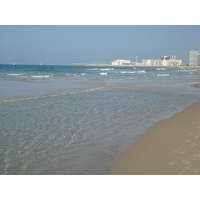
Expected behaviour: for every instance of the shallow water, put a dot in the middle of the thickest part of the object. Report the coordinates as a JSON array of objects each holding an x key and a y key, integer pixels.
[{"x": 77, "y": 120}]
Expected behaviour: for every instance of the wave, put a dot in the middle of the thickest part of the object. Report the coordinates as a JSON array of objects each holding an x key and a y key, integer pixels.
[
  {"x": 28, "y": 76},
  {"x": 103, "y": 73},
  {"x": 70, "y": 75},
  {"x": 162, "y": 74},
  {"x": 133, "y": 72},
  {"x": 102, "y": 69},
  {"x": 127, "y": 72},
  {"x": 140, "y": 72},
  {"x": 106, "y": 69},
  {"x": 41, "y": 76},
  {"x": 56, "y": 75},
  {"x": 160, "y": 69},
  {"x": 14, "y": 74}
]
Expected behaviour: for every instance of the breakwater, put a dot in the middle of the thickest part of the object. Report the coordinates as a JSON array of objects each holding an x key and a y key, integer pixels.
[{"x": 138, "y": 65}]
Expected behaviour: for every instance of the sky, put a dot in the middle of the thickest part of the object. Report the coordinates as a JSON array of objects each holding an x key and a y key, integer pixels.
[{"x": 66, "y": 44}]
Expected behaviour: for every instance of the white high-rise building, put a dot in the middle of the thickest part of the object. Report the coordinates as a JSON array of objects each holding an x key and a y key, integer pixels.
[{"x": 194, "y": 59}]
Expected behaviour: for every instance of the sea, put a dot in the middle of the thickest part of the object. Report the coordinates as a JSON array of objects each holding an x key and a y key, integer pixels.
[{"x": 75, "y": 120}]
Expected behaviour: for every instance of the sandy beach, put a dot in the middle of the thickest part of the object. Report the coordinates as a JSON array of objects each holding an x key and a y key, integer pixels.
[{"x": 171, "y": 147}]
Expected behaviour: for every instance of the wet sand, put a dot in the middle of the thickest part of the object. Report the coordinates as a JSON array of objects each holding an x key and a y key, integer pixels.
[{"x": 171, "y": 147}]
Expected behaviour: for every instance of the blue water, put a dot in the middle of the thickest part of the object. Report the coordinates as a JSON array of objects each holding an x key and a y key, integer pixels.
[{"x": 77, "y": 120}]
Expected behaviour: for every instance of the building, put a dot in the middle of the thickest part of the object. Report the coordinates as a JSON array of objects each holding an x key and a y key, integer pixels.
[
  {"x": 121, "y": 62},
  {"x": 194, "y": 59},
  {"x": 168, "y": 58},
  {"x": 165, "y": 61}
]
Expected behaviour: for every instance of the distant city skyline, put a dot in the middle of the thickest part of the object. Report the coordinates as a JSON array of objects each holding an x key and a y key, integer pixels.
[{"x": 68, "y": 44}]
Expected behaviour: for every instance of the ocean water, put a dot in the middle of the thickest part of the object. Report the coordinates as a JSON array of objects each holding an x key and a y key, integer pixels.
[{"x": 78, "y": 120}]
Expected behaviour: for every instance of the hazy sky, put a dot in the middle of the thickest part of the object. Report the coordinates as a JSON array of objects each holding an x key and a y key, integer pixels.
[{"x": 88, "y": 44}]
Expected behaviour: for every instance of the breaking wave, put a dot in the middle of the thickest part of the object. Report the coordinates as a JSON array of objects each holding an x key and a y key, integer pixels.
[
  {"x": 133, "y": 72},
  {"x": 160, "y": 69},
  {"x": 103, "y": 73},
  {"x": 106, "y": 69},
  {"x": 14, "y": 74},
  {"x": 162, "y": 74},
  {"x": 41, "y": 76}
]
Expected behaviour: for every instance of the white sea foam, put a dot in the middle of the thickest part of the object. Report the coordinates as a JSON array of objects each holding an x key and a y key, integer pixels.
[
  {"x": 160, "y": 69},
  {"x": 133, "y": 72},
  {"x": 83, "y": 74},
  {"x": 162, "y": 74},
  {"x": 141, "y": 72},
  {"x": 14, "y": 74},
  {"x": 41, "y": 76},
  {"x": 105, "y": 69},
  {"x": 124, "y": 72},
  {"x": 103, "y": 73},
  {"x": 102, "y": 69}
]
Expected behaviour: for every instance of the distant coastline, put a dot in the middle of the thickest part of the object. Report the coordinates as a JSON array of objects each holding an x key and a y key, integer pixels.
[{"x": 138, "y": 65}]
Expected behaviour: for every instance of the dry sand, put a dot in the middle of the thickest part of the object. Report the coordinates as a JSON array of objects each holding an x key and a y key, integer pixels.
[{"x": 171, "y": 147}]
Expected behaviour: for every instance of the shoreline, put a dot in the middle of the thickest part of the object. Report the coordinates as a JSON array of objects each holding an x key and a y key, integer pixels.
[{"x": 171, "y": 147}]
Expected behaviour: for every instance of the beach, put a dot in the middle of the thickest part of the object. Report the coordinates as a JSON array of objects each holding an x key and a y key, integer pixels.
[{"x": 171, "y": 147}]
